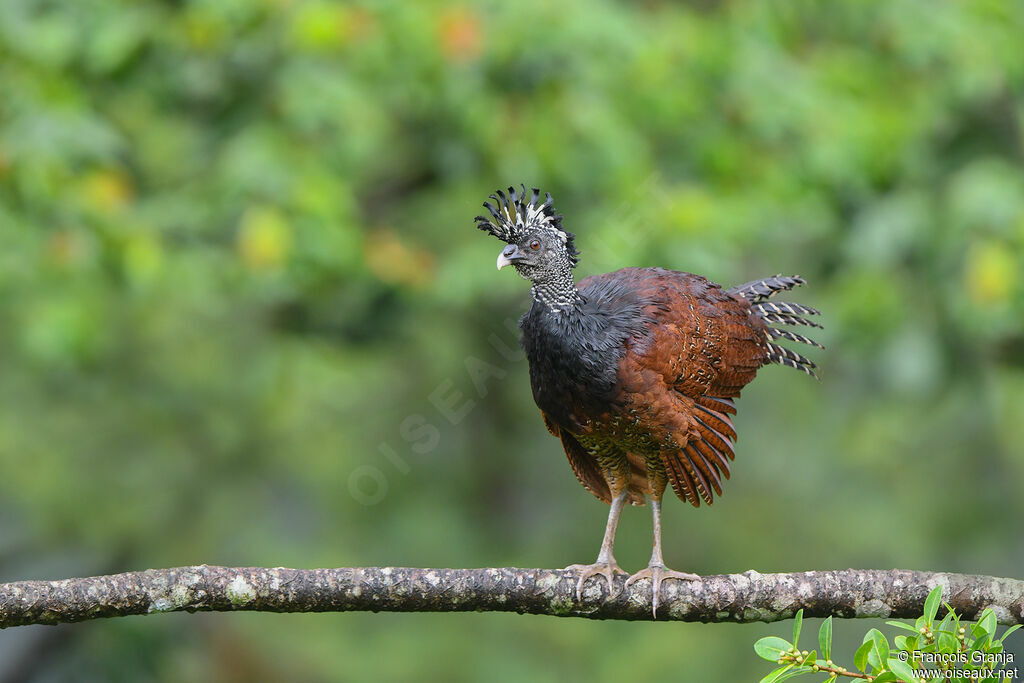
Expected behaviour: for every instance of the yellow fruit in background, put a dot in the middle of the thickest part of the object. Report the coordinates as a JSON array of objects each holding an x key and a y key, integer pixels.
[
  {"x": 264, "y": 238},
  {"x": 391, "y": 259},
  {"x": 992, "y": 272},
  {"x": 106, "y": 190}
]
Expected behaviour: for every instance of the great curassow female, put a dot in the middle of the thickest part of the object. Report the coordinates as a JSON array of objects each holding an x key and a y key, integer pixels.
[{"x": 636, "y": 370}]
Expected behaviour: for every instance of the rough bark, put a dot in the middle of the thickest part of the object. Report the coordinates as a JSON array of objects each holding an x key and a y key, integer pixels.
[{"x": 743, "y": 597}]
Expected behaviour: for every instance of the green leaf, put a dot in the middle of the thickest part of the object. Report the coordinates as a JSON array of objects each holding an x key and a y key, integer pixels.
[
  {"x": 879, "y": 651},
  {"x": 774, "y": 675},
  {"x": 988, "y": 622},
  {"x": 946, "y": 642},
  {"x": 771, "y": 648},
  {"x": 784, "y": 673},
  {"x": 1008, "y": 632},
  {"x": 887, "y": 677},
  {"x": 905, "y": 627},
  {"x": 900, "y": 642},
  {"x": 953, "y": 620},
  {"x": 901, "y": 669},
  {"x": 931, "y": 604},
  {"x": 860, "y": 658},
  {"x": 798, "y": 622},
  {"x": 825, "y": 638},
  {"x": 945, "y": 638},
  {"x": 980, "y": 640}
]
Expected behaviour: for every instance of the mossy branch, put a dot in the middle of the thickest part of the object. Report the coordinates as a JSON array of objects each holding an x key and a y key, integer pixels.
[{"x": 734, "y": 598}]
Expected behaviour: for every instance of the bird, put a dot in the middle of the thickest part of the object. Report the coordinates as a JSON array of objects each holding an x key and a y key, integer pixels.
[{"x": 637, "y": 371}]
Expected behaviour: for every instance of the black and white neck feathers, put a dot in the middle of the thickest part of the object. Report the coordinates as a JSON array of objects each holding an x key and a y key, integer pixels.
[{"x": 557, "y": 292}]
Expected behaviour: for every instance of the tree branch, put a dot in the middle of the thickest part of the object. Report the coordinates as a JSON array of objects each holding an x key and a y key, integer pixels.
[{"x": 743, "y": 597}]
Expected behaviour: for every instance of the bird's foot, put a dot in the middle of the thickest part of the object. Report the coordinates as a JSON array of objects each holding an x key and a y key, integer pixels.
[
  {"x": 658, "y": 573},
  {"x": 607, "y": 569}
]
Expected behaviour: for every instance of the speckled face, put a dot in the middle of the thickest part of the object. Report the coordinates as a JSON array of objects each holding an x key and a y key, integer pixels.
[
  {"x": 533, "y": 231},
  {"x": 539, "y": 253}
]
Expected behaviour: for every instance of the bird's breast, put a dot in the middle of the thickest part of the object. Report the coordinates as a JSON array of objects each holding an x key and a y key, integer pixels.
[{"x": 574, "y": 372}]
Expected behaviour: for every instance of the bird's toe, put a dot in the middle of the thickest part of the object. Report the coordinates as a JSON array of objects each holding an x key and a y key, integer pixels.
[
  {"x": 657, "y": 574},
  {"x": 605, "y": 569}
]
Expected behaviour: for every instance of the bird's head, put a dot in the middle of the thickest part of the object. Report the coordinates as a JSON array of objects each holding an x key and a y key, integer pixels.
[{"x": 537, "y": 246}]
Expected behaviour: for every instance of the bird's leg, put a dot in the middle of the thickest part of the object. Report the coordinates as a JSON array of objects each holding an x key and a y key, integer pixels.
[
  {"x": 656, "y": 570},
  {"x": 605, "y": 565}
]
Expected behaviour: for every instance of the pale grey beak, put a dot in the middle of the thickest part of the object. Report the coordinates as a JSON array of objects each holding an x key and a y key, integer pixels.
[{"x": 508, "y": 255}]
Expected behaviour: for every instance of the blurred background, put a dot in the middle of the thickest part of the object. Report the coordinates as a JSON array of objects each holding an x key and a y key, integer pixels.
[{"x": 241, "y": 294}]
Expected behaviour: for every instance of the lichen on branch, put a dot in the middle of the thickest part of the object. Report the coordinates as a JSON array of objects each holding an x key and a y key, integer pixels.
[{"x": 746, "y": 597}]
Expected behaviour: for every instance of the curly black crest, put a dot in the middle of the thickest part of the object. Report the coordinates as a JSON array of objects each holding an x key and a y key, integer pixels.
[{"x": 515, "y": 215}]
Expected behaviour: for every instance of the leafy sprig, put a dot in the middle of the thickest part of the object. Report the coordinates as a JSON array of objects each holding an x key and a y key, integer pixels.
[{"x": 926, "y": 652}]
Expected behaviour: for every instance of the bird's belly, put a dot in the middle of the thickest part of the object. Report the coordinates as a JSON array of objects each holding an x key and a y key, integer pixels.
[
  {"x": 577, "y": 406},
  {"x": 622, "y": 428}
]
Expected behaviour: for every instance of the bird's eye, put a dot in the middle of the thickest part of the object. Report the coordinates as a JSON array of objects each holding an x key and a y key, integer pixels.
[{"x": 535, "y": 244}]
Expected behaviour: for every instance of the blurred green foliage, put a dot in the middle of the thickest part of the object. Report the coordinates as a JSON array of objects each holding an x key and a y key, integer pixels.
[{"x": 237, "y": 260}]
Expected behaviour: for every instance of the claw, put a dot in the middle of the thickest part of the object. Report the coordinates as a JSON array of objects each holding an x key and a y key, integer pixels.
[
  {"x": 606, "y": 569},
  {"x": 658, "y": 573}
]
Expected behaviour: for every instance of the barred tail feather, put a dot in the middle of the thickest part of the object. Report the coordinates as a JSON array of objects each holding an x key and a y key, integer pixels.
[
  {"x": 791, "y": 359},
  {"x": 784, "y": 307},
  {"x": 780, "y": 313},
  {"x": 775, "y": 333},
  {"x": 759, "y": 290},
  {"x": 784, "y": 318},
  {"x": 782, "y": 360},
  {"x": 792, "y": 355}
]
